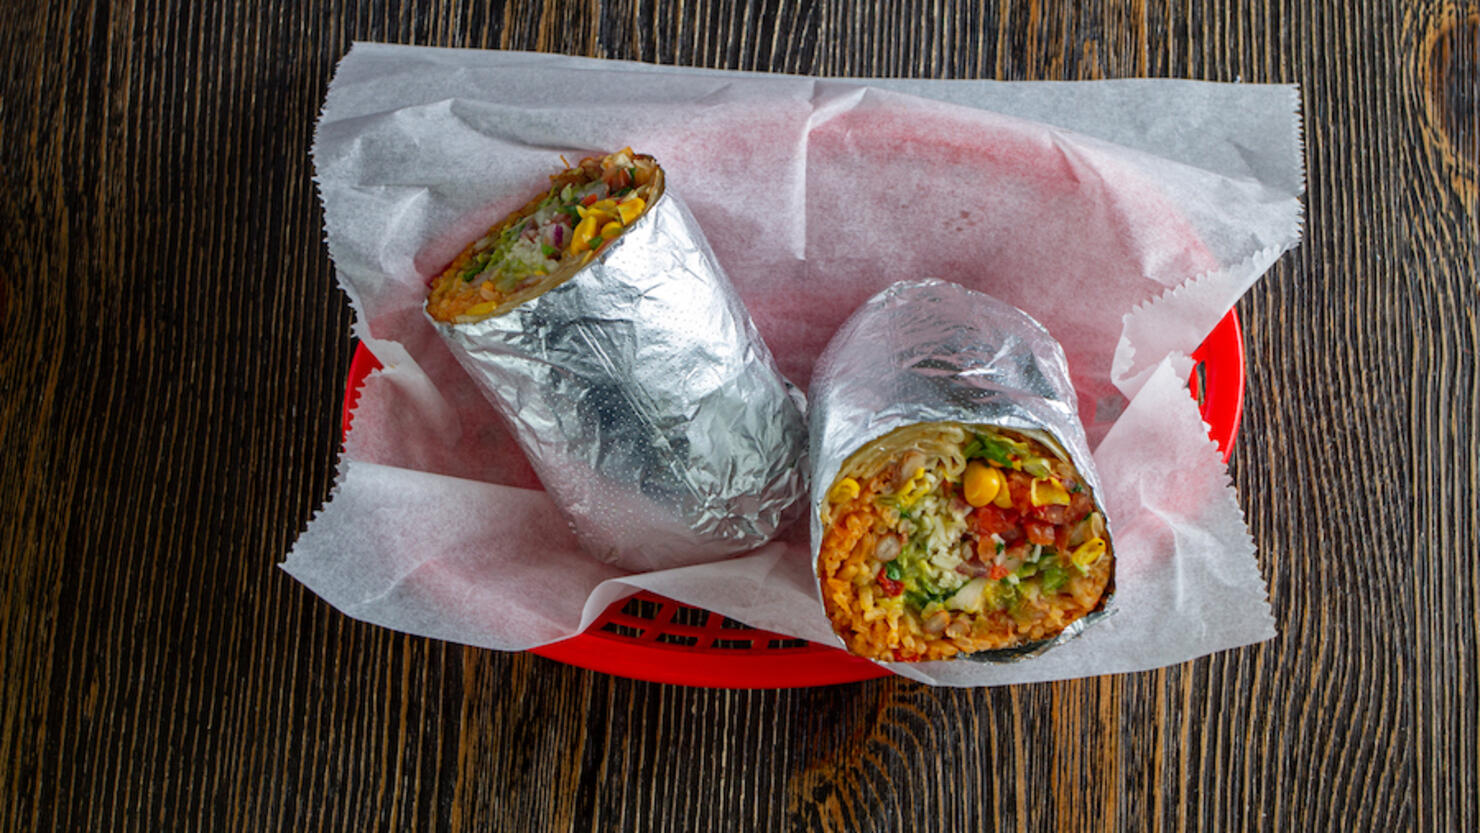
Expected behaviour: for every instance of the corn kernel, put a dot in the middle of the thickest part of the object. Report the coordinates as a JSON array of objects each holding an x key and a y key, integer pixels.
[
  {"x": 1044, "y": 491},
  {"x": 630, "y": 209},
  {"x": 1003, "y": 500},
  {"x": 981, "y": 483},
  {"x": 915, "y": 489},
  {"x": 594, "y": 211},
  {"x": 580, "y": 239},
  {"x": 845, "y": 489},
  {"x": 1088, "y": 553},
  {"x": 481, "y": 309}
]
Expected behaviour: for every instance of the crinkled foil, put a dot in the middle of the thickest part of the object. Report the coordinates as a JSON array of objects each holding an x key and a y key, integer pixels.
[
  {"x": 932, "y": 351},
  {"x": 646, "y": 400}
]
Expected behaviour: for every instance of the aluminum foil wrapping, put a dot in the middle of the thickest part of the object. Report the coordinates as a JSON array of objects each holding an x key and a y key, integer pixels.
[
  {"x": 646, "y": 401},
  {"x": 932, "y": 351}
]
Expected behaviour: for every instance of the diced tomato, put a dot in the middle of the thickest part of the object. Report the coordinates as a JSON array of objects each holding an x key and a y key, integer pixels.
[
  {"x": 1080, "y": 504},
  {"x": 1039, "y": 533},
  {"x": 590, "y": 200},
  {"x": 616, "y": 178},
  {"x": 992, "y": 520},
  {"x": 998, "y": 571},
  {"x": 1018, "y": 485},
  {"x": 1061, "y": 537},
  {"x": 891, "y": 587}
]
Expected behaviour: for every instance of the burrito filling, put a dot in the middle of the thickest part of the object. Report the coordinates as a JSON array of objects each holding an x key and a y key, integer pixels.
[
  {"x": 946, "y": 539},
  {"x": 548, "y": 240}
]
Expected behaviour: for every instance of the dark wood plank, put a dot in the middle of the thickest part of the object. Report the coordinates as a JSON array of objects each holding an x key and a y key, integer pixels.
[{"x": 173, "y": 348}]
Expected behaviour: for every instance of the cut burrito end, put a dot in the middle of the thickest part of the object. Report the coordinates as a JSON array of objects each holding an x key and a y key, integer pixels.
[
  {"x": 549, "y": 240},
  {"x": 943, "y": 540}
]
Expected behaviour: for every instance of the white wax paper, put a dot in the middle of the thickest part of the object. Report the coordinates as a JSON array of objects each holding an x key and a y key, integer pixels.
[{"x": 1126, "y": 216}]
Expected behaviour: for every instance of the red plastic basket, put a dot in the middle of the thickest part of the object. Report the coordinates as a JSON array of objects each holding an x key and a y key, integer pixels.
[{"x": 648, "y": 637}]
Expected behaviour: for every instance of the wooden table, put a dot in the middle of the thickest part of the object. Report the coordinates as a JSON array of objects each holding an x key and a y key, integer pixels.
[{"x": 170, "y": 384}]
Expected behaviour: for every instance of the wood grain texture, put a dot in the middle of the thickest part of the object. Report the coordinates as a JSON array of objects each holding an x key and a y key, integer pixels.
[{"x": 172, "y": 353}]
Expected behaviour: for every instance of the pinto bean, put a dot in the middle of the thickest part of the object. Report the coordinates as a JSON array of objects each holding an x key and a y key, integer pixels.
[
  {"x": 888, "y": 548},
  {"x": 907, "y": 466},
  {"x": 937, "y": 623},
  {"x": 972, "y": 568}
]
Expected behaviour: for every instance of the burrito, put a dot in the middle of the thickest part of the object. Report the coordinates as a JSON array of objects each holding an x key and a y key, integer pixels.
[
  {"x": 599, "y": 323},
  {"x": 954, "y": 494},
  {"x": 943, "y": 539}
]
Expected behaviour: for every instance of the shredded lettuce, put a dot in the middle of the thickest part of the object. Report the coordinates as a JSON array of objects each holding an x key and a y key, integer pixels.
[{"x": 1054, "y": 576}]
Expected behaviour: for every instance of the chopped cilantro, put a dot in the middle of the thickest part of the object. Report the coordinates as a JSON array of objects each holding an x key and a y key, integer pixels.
[{"x": 920, "y": 599}]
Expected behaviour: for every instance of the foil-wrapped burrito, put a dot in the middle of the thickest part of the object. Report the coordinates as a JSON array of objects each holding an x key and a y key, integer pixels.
[
  {"x": 599, "y": 323},
  {"x": 953, "y": 493}
]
